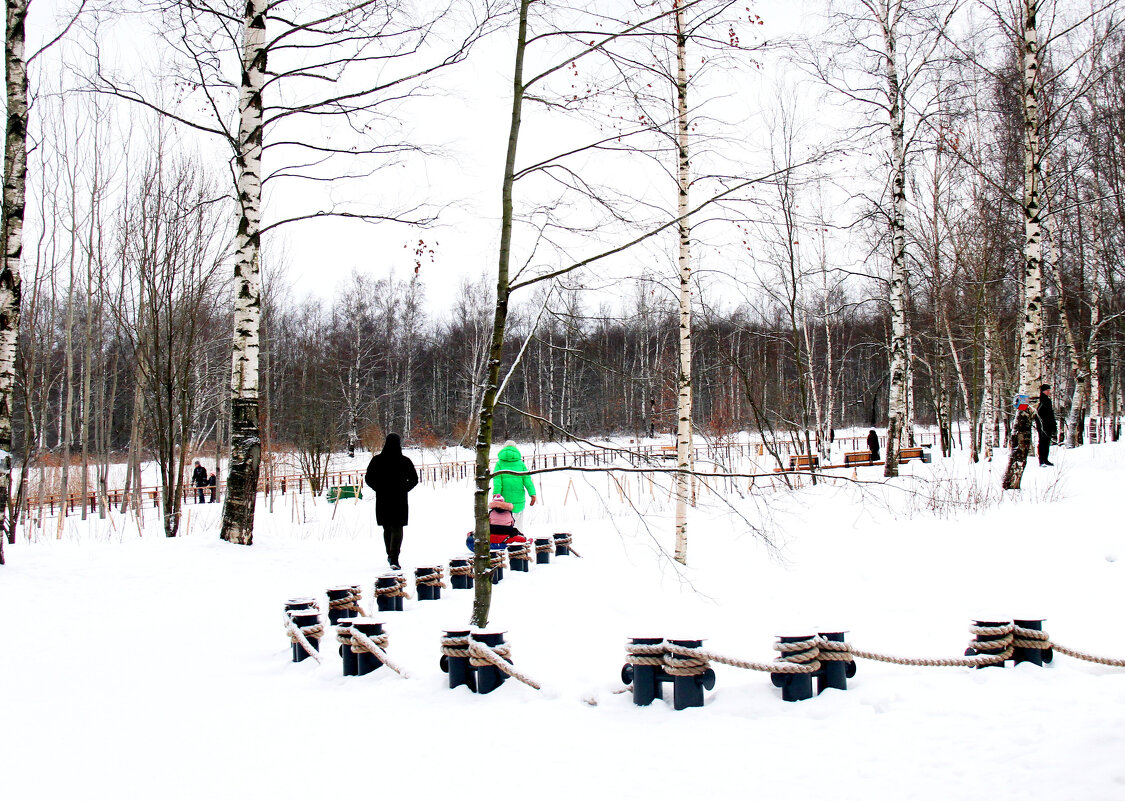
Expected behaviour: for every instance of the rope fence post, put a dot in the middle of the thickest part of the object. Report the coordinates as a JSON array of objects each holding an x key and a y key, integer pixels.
[
  {"x": 461, "y": 573},
  {"x": 389, "y": 592},
  {"x": 455, "y": 659},
  {"x": 428, "y": 581},
  {"x": 645, "y": 668},
  {"x": 519, "y": 555},
  {"x": 836, "y": 662},
  {"x": 691, "y": 673},
  {"x": 543, "y": 548},
  {"x": 343, "y": 601},
  {"x": 497, "y": 560},
  {"x": 488, "y": 675},
  {"x": 304, "y": 629},
  {"x": 349, "y": 657},
  {"x": 992, "y": 639},
  {"x": 1031, "y": 643},
  {"x": 369, "y": 642},
  {"x": 802, "y": 651}
]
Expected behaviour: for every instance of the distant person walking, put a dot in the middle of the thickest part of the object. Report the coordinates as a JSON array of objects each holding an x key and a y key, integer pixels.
[
  {"x": 199, "y": 480},
  {"x": 873, "y": 444},
  {"x": 1046, "y": 425},
  {"x": 391, "y": 475},
  {"x": 514, "y": 489},
  {"x": 212, "y": 482}
]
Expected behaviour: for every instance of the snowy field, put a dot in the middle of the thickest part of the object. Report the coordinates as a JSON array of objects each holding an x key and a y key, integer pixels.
[{"x": 140, "y": 667}]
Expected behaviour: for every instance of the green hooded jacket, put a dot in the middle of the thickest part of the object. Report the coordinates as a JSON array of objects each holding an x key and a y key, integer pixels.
[{"x": 512, "y": 487}]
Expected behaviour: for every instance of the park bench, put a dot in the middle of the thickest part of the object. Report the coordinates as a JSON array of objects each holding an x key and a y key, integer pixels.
[
  {"x": 906, "y": 454},
  {"x": 803, "y": 461},
  {"x": 854, "y": 458},
  {"x": 344, "y": 491},
  {"x": 668, "y": 451}
]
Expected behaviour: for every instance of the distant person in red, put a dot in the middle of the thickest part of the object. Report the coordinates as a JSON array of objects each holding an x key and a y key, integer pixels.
[{"x": 391, "y": 475}]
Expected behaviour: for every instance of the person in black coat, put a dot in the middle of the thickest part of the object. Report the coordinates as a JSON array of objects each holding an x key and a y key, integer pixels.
[
  {"x": 391, "y": 475},
  {"x": 199, "y": 480},
  {"x": 1046, "y": 425},
  {"x": 873, "y": 444}
]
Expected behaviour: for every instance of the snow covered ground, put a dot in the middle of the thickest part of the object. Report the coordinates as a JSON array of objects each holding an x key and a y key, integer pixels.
[{"x": 140, "y": 667}]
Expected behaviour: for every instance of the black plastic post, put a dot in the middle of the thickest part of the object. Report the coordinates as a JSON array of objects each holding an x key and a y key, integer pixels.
[
  {"x": 302, "y": 618},
  {"x": 388, "y": 601},
  {"x": 1036, "y": 656},
  {"x": 497, "y": 557},
  {"x": 336, "y": 595},
  {"x": 543, "y": 548},
  {"x": 489, "y": 677},
  {"x": 981, "y": 642},
  {"x": 794, "y": 686},
  {"x": 296, "y": 605},
  {"x": 833, "y": 674},
  {"x": 458, "y": 667},
  {"x": 422, "y": 577},
  {"x": 461, "y": 574},
  {"x": 347, "y": 655},
  {"x": 687, "y": 691},
  {"x": 367, "y": 662},
  {"x": 517, "y": 557},
  {"x": 562, "y": 543},
  {"x": 646, "y": 679}
]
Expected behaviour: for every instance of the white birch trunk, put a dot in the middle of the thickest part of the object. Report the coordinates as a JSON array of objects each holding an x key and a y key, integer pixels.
[
  {"x": 11, "y": 234},
  {"x": 246, "y": 446},
  {"x": 899, "y": 380},
  {"x": 683, "y": 382},
  {"x": 1029, "y": 369},
  {"x": 988, "y": 402}
]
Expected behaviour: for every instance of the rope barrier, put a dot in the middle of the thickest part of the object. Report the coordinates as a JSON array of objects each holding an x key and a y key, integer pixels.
[
  {"x": 567, "y": 542},
  {"x": 544, "y": 547},
  {"x": 1005, "y": 643},
  {"x": 522, "y": 551},
  {"x": 300, "y": 634},
  {"x": 394, "y": 590},
  {"x": 461, "y": 570},
  {"x": 481, "y": 655},
  {"x": 1030, "y": 638}
]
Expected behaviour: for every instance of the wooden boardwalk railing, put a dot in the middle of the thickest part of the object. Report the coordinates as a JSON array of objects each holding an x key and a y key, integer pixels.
[{"x": 441, "y": 473}]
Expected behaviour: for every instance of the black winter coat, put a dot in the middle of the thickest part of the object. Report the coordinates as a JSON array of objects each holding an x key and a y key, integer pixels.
[
  {"x": 199, "y": 476},
  {"x": 1045, "y": 417},
  {"x": 873, "y": 445},
  {"x": 391, "y": 476}
]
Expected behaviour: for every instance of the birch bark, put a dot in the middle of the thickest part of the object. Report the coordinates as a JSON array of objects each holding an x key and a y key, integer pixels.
[
  {"x": 11, "y": 240},
  {"x": 245, "y": 436},
  {"x": 1029, "y": 369},
  {"x": 683, "y": 378}
]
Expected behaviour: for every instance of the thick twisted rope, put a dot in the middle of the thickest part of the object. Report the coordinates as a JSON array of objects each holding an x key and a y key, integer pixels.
[
  {"x": 349, "y": 601},
  {"x": 544, "y": 547},
  {"x": 461, "y": 570},
  {"x": 645, "y": 655},
  {"x": 374, "y": 645},
  {"x": 436, "y": 578},
  {"x": 481, "y": 655},
  {"x": 523, "y": 551},
  {"x": 497, "y": 560},
  {"x": 1005, "y": 632},
  {"x": 394, "y": 590},
  {"x": 1031, "y": 638},
  {"x": 455, "y": 646},
  {"x": 301, "y": 634}
]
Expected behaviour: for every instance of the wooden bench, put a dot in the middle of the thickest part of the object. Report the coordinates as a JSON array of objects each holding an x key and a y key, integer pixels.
[
  {"x": 906, "y": 454},
  {"x": 853, "y": 458},
  {"x": 668, "y": 451},
  {"x": 803, "y": 461}
]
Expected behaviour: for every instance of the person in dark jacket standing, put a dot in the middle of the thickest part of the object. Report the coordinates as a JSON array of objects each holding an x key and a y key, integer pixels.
[
  {"x": 873, "y": 444},
  {"x": 391, "y": 475},
  {"x": 1046, "y": 425},
  {"x": 199, "y": 480}
]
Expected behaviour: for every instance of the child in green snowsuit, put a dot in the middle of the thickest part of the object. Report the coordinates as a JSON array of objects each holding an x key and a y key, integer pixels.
[{"x": 513, "y": 488}]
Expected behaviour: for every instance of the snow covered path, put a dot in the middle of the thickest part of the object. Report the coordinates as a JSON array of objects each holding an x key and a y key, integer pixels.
[{"x": 140, "y": 668}]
